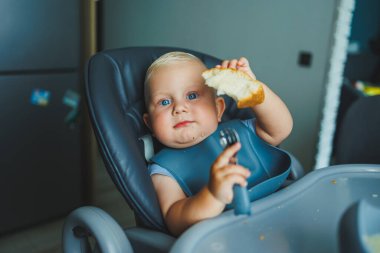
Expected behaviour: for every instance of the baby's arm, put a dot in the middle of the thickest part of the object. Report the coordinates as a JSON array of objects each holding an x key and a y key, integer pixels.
[
  {"x": 180, "y": 212},
  {"x": 273, "y": 119}
]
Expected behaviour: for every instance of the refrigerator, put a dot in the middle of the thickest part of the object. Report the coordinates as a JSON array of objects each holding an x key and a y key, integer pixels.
[{"x": 41, "y": 172}]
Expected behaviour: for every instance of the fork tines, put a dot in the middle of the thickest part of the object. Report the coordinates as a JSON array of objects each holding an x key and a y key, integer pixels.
[{"x": 228, "y": 137}]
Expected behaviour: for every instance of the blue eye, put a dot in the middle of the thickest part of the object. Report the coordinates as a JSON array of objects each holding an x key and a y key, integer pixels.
[
  {"x": 165, "y": 102},
  {"x": 192, "y": 95}
]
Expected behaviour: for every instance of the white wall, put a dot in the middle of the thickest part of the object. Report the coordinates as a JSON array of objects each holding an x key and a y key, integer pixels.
[{"x": 270, "y": 33}]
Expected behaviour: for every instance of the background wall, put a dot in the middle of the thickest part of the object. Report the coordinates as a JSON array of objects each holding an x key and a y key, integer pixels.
[{"x": 270, "y": 33}]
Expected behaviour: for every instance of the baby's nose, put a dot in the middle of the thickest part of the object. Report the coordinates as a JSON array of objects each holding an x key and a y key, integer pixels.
[{"x": 180, "y": 107}]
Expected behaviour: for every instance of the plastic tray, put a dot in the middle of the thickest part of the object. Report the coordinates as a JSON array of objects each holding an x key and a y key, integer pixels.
[{"x": 303, "y": 217}]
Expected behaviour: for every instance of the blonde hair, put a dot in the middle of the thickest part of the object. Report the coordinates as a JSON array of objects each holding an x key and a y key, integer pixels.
[{"x": 164, "y": 60}]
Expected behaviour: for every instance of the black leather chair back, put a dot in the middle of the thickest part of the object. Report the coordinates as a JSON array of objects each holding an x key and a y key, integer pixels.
[
  {"x": 115, "y": 98},
  {"x": 358, "y": 138}
]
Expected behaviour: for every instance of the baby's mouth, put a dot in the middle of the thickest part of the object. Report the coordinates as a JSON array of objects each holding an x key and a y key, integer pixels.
[{"x": 183, "y": 124}]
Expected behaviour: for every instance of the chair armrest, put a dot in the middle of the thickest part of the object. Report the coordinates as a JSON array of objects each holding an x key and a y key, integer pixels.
[
  {"x": 92, "y": 221},
  {"x": 148, "y": 240}
]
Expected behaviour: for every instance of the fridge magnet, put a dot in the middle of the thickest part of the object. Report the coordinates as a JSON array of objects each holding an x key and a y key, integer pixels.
[
  {"x": 40, "y": 97},
  {"x": 71, "y": 99}
]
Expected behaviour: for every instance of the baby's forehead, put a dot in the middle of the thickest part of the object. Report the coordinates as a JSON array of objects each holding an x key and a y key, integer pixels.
[
  {"x": 189, "y": 65},
  {"x": 177, "y": 62},
  {"x": 172, "y": 65}
]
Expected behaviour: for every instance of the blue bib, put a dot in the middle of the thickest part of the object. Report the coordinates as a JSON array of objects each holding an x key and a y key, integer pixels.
[{"x": 190, "y": 166}]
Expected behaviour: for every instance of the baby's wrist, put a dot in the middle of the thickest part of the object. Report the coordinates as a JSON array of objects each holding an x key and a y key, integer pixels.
[{"x": 212, "y": 196}]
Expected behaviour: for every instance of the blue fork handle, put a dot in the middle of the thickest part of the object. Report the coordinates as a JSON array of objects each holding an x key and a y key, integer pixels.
[{"x": 241, "y": 200}]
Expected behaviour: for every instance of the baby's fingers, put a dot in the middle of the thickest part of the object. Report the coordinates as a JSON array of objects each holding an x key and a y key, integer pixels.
[
  {"x": 243, "y": 62},
  {"x": 233, "y": 169},
  {"x": 243, "y": 65},
  {"x": 236, "y": 179},
  {"x": 225, "y": 157},
  {"x": 230, "y": 64},
  {"x": 225, "y": 63},
  {"x": 233, "y": 64}
]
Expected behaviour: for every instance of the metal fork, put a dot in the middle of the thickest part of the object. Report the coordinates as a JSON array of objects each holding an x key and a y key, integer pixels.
[{"x": 227, "y": 138}]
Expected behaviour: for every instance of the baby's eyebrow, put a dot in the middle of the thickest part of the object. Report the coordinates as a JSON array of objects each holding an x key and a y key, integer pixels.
[
  {"x": 160, "y": 93},
  {"x": 158, "y": 96}
]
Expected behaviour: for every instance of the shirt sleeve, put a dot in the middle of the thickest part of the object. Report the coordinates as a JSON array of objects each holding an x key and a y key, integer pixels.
[{"x": 154, "y": 168}]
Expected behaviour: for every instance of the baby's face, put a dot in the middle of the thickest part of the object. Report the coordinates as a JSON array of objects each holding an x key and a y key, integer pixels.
[{"x": 182, "y": 110}]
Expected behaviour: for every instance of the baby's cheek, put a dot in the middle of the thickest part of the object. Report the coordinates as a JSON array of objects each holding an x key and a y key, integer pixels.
[{"x": 161, "y": 135}]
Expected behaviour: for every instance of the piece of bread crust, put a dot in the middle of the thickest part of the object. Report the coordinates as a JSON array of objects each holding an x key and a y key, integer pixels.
[
  {"x": 253, "y": 99},
  {"x": 245, "y": 90}
]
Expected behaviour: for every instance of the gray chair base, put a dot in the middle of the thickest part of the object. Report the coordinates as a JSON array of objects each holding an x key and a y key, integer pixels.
[{"x": 86, "y": 222}]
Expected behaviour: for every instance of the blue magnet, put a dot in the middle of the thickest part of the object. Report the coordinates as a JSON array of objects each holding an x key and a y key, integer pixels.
[
  {"x": 71, "y": 99},
  {"x": 40, "y": 97}
]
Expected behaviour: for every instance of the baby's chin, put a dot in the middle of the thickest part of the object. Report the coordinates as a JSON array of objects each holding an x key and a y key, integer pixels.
[
  {"x": 187, "y": 141},
  {"x": 187, "y": 137}
]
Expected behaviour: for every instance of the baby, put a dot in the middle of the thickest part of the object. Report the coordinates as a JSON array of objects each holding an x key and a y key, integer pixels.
[{"x": 183, "y": 112}]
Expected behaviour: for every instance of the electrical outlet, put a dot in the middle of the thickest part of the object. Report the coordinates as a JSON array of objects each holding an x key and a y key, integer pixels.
[{"x": 305, "y": 59}]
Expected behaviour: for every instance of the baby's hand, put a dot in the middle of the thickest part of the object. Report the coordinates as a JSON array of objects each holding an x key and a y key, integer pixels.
[
  {"x": 224, "y": 175},
  {"x": 242, "y": 64}
]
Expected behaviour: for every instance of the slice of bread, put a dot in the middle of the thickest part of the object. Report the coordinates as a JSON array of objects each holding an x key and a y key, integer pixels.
[{"x": 245, "y": 90}]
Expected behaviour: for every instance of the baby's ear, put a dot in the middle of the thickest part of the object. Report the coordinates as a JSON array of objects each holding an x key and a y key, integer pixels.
[
  {"x": 220, "y": 107},
  {"x": 146, "y": 120}
]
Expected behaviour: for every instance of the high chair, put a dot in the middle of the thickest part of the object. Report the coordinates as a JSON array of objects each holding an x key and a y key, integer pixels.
[{"x": 114, "y": 94}]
